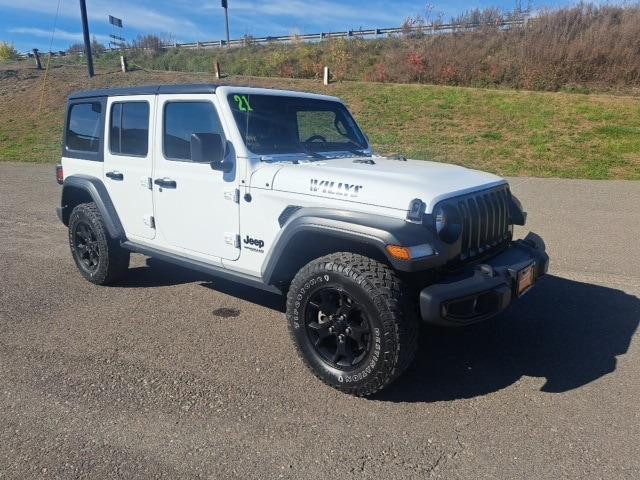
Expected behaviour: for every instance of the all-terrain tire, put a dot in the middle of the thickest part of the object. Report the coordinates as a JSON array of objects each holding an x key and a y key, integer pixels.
[
  {"x": 381, "y": 298},
  {"x": 100, "y": 259}
]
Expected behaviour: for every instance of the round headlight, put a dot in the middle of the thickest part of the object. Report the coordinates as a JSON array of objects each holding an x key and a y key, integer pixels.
[
  {"x": 448, "y": 223},
  {"x": 440, "y": 218}
]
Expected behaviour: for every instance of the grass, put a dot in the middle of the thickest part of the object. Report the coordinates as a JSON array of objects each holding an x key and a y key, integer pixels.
[{"x": 503, "y": 131}]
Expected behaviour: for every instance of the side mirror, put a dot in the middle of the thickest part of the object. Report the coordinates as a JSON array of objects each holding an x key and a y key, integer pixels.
[{"x": 210, "y": 148}]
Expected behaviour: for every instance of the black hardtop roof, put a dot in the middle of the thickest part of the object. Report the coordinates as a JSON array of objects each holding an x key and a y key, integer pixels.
[{"x": 146, "y": 90}]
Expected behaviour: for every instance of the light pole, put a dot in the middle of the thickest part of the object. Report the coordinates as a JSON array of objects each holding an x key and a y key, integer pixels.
[
  {"x": 226, "y": 19},
  {"x": 87, "y": 40}
]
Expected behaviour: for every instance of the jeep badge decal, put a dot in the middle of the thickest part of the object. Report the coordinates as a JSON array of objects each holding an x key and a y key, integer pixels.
[
  {"x": 254, "y": 244},
  {"x": 327, "y": 186}
]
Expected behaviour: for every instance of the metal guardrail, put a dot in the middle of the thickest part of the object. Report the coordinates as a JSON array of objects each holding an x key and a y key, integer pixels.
[
  {"x": 363, "y": 33},
  {"x": 431, "y": 29},
  {"x": 60, "y": 53}
]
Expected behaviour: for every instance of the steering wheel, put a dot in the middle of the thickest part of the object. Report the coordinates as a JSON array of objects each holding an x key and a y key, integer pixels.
[{"x": 314, "y": 138}]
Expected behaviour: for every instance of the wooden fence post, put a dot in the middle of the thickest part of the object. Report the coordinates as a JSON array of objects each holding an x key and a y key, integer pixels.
[
  {"x": 326, "y": 77},
  {"x": 37, "y": 57},
  {"x": 216, "y": 67},
  {"x": 123, "y": 64}
]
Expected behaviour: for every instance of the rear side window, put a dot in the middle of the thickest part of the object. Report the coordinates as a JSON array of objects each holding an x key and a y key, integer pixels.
[
  {"x": 129, "y": 129},
  {"x": 83, "y": 129},
  {"x": 181, "y": 119}
]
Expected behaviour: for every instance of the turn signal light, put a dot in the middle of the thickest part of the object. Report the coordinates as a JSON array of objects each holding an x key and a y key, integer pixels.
[
  {"x": 410, "y": 253},
  {"x": 59, "y": 174},
  {"x": 398, "y": 252}
]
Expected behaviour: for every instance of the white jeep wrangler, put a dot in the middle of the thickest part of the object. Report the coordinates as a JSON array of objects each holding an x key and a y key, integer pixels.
[{"x": 281, "y": 191}]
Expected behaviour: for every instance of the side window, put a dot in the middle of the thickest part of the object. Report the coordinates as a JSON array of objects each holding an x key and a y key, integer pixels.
[
  {"x": 129, "y": 129},
  {"x": 83, "y": 129},
  {"x": 181, "y": 119}
]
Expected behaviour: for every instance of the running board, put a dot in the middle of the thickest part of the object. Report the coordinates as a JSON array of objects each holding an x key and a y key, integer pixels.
[{"x": 203, "y": 267}]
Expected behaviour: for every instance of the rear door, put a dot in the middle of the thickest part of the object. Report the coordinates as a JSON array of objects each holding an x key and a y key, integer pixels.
[
  {"x": 196, "y": 207},
  {"x": 128, "y": 162}
]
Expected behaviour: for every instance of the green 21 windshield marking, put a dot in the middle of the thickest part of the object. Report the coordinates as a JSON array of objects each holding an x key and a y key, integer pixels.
[{"x": 243, "y": 103}]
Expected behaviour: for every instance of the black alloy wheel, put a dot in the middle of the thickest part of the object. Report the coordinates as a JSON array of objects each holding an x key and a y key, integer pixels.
[
  {"x": 86, "y": 244},
  {"x": 338, "y": 328},
  {"x": 353, "y": 322}
]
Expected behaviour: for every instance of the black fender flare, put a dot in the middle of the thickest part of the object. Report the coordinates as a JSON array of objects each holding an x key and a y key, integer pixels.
[
  {"x": 516, "y": 212},
  {"x": 377, "y": 231},
  {"x": 98, "y": 192}
]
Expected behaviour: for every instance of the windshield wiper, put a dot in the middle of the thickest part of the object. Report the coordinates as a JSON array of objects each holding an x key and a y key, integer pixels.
[
  {"x": 311, "y": 153},
  {"x": 360, "y": 153},
  {"x": 357, "y": 150}
]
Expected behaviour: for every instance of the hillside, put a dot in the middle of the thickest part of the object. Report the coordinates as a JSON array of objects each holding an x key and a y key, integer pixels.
[
  {"x": 587, "y": 48},
  {"x": 503, "y": 131}
]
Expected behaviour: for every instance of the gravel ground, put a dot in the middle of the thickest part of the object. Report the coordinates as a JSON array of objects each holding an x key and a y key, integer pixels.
[{"x": 174, "y": 374}]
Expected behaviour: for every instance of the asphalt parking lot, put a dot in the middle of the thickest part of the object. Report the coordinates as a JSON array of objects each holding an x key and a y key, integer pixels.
[{"x": 174, "y": 374}]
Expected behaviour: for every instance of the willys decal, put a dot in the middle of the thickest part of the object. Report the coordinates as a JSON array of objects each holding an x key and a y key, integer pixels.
[{"x": 335, "y": 188}]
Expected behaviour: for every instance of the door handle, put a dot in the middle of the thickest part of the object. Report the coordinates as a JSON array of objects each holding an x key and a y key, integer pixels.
[
  {"x": 115, "y": 175},
  {"x": 165, "y": 182}
]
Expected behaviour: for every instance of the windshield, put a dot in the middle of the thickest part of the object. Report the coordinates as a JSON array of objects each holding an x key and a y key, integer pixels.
[{"x": 274, "y": 124}]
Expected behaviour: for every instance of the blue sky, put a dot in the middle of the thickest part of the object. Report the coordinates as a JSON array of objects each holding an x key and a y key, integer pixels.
[{"x": 28, "y": 23}]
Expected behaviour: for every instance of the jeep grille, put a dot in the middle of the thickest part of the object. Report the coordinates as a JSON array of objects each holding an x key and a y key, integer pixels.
[{"x": 485, "y": 220}]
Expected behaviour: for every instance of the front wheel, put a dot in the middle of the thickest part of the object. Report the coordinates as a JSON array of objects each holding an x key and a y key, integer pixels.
[{"x": 352, "y": 322}]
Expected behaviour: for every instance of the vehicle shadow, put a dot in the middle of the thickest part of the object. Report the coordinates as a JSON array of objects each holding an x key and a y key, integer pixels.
[
  {"x": 565, "y": 331},
  {"x": 157, "y": 273}
]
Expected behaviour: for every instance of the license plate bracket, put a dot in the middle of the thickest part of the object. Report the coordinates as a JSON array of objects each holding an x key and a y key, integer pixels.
[{"x": 526, "y": 278}]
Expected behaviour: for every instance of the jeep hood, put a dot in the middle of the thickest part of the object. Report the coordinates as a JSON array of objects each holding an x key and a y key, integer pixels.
[{"x": 380, "y": 181}]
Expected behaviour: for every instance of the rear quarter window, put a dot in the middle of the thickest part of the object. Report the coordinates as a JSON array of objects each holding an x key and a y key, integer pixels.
[
  {"x": 83, "y": 133},
  {"x": 84, "y": 130}
]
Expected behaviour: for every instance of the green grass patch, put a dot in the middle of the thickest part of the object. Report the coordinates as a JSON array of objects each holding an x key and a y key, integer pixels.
[{"x": 502, "y": 131}]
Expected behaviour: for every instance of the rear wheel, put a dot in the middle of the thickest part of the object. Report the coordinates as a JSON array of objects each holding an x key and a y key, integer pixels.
[
  {"x": 100, "y": 259},
  {"x": 352, "y": 322}
]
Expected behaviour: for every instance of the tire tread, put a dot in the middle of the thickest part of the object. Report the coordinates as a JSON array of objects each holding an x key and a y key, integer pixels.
[
  {"x": 117, "y": 259},
  {"x": 391, "y": 298}
]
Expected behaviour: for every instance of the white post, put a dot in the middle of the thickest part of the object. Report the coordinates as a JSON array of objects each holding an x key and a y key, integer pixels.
[
  {"x": 325, "y": 77},
  {"x": 123, "y": 64},
  {"x": 216, "y": 66}
]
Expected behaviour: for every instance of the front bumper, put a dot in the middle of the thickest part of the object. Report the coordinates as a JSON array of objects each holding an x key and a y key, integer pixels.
[{"x": 487, "y": 289}]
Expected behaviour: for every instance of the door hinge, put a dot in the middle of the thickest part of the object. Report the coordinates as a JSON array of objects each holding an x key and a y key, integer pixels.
[
  {"x": 149, "y": 221},
  {"x": 233, "y": 195},
  {"x": 232, "y": 239}
]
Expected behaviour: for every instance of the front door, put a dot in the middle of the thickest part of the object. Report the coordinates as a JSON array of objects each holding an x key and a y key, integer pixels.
[
  {"x": 128, "y": 162},
  {"x": 196, "y": 207}
]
